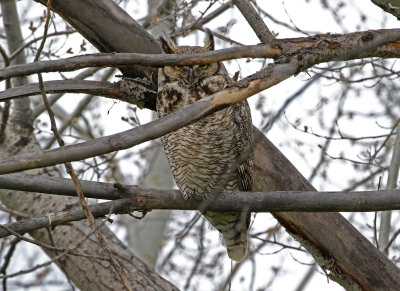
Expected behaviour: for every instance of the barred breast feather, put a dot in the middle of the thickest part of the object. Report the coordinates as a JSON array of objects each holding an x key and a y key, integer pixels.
[{"x": 212, "y": 155}]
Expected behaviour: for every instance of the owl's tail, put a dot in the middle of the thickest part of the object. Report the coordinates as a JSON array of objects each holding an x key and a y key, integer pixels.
[{"x": 233, "y": 226}]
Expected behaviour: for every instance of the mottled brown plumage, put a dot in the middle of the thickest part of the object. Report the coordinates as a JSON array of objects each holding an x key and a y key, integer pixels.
[{"x": 214, "y": 154}]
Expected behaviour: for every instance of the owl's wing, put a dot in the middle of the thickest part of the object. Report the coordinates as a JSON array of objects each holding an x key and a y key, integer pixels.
[
  {"x": 245, "y": 176},
  {"x": 244, "y": 137}
]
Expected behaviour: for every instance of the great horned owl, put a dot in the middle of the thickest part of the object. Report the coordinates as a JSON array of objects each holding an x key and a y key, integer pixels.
[{"x": 214, "y": 154}]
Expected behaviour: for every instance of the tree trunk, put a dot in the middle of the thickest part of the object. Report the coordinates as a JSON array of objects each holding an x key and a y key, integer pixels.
[
  {"x": 337, "y": 246},
  {"x": 86, "y": 273}
]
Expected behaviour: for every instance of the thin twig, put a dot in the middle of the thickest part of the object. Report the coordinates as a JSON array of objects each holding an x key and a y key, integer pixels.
[
  {"x": 201, "y": 21},
  {"x": 375, "y": 230},
  {"x": 78, "y": 110},
  {"x": 54, "y": 259},
  {"x": 391, "y": 241},
  {"x": 5, "y": 110},
  {"x": 197, "y": 261},
  {"x": 49, "y": 247},
  {"x": 25, "y": 45},
  {"x": 289, "y": 100},
  {"x": 14, "y": 212},
  {"x": 71, "y": 172},
  {"x": 7, "y": 260},
  {"x": 238, "y": 266},
  {"x": 52, "y": 99}
]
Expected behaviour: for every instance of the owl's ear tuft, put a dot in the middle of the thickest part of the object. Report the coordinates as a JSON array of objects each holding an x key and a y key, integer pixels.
[
  {"x": 209, "y": 40},
  {"x": 167, "y": 46}
]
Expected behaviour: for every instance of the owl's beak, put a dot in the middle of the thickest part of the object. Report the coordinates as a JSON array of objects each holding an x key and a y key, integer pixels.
[{"x": 191, "y": 74}]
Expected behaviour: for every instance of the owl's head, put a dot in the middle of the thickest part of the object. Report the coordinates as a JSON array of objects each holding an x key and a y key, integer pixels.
[{"x": 189, "y": 76}]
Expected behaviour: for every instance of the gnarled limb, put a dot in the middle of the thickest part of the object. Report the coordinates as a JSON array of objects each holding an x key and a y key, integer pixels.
[{"x": 345, "y": 262}]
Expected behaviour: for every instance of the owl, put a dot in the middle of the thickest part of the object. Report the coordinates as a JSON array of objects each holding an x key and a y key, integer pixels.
[{"x": 213, "y": 155}]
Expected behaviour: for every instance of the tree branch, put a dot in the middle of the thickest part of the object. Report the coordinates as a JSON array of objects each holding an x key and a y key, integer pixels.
[
  {"x": 99, "y": 88},
  {"x": 253, "y": 18},
  {"x": 40, "y": 108},
  {"x": 391, "y": 6},
  {"x": 198, "y": 24},
  {"x": 87, "y": 17},
  {"x": 337, "y": 246},
  {"x": 330, "y": 47},
  {"x": 274, "y": 201},
  {"x": 151, "y": 130},
  {"x": 267, "y": 77},
  {"x": 334, "y": 243},
  {"x": 135, "y": 198},
  {"x": 125, "y": 59},
  {"x": 84, "y": 272}
]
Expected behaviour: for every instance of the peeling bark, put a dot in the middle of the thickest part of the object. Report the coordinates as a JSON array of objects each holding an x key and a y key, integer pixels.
[{"x": 337, "y": 245}]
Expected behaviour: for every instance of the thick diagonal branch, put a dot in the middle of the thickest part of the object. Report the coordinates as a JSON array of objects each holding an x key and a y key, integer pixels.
[
  {"x": 268, "y": 77},
  {"x": 346, "y": 253},
  {"x": 254, "y": 19}
]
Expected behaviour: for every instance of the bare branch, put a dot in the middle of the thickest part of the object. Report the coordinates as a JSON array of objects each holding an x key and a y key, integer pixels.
[
  {"x": 100, "y": 31},
  {"x": 142, "y": 199},
  {"x": 253, "y": 18},
  {"x": 198, "y": 24},
  {"x": 70, "y": 170},
  {"x": 59, "y": 218},
  {"x": 46, "y": 246},
  {"x": 392, "y": 6},
  {"x": 98, "y": 88},
  {"x": 125, "y": 59},
  {"x": 318, "y": 232},
  {"x": 273, "y": 75},
  {"x": 118, "y": 91},
  {"x": 84, "y": 273},
  {"x": 385, "y": 225},
  {"x": 61, "y": 186},
  {"x": 25, "y": 45},
  {"x": 52, "y": 99},
  {"x": 322, "y": 48},
  {"x": 266, "y": 78},
  {"x": 261, "y": 201}
]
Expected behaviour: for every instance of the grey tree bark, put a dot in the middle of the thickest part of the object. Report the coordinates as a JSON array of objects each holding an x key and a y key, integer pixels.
[
  {"x": 85, "y": 273},
  {"x": 385, "y": 225},
  {"x": 145, "y": 236},
  {"x": 390, "y": 6},
  {"x": 336, "y": 245}
]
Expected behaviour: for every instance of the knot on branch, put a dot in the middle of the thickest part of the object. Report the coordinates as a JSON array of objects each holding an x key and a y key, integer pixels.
[
  {"x": 367, "y": 36},
  {"x": 137, "y": 90}
]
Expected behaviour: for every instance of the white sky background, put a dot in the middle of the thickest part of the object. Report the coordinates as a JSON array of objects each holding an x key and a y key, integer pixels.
[{"x": 310, "y": 17}]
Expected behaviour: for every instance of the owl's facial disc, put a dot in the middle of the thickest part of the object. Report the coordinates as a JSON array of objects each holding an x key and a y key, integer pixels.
[{"x": 191, "y": 76}]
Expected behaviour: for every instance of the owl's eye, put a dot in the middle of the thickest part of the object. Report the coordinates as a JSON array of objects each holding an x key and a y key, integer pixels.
[
  {"x": 178, "y": 67},
  {"x": 204, "y": 66}
]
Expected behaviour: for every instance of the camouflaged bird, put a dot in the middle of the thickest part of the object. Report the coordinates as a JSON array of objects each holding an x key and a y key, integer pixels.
[{"x": 213, "y": 155}]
